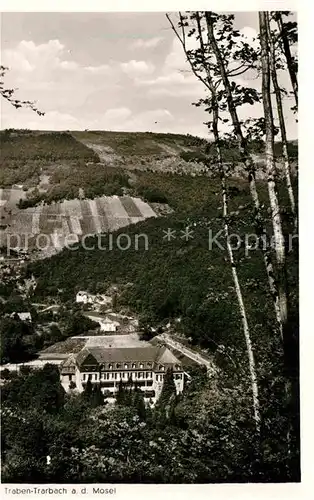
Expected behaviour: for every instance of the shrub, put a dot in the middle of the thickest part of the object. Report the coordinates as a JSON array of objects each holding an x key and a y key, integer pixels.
[
  {"x": 152, "y": 195},
  {"x": 5, "y": 374},
  {"x": 193, "y": 156}
]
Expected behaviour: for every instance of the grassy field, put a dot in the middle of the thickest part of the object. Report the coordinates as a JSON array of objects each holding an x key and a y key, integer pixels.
[{"x": 68, "y": 346}]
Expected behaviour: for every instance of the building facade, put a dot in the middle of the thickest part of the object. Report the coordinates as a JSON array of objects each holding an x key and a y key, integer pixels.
[
  {"x": 105, "y": 324},
  {"x": 143, "y": 367},
  {"x": 83, "y": 297}
]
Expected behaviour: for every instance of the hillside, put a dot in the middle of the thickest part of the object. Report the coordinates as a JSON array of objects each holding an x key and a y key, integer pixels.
[
  {"x": 45, "y": 160},
  {"x": 69, "y": 220},
  {"x": 173, "y": 153},
  {"x": 64, "y": 186},
  {"x": 179, "y": 280}
]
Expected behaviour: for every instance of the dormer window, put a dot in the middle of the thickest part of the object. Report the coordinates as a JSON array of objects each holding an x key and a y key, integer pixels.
[
  {"x": 110, "y": 366},
  {"x": 133, "y": 365},
  {"x": 118, "y": 365},
  {"x": 126, "y": 366},
  {"x": 149, "y": 365},
  {"x": 141, "y": 365},
  {"x": 161, "y": 367}
]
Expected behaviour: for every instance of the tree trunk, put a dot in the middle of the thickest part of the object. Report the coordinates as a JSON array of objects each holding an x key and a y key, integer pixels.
[
  {"x": 245, "y": 325},
  {"x": 250, "y": 167},
  {"x": 272, "y": 58},
  {"x": 290, "y": 386},
  {"x": 279, "y": 241},
  {"x": 289, "y": 59}
]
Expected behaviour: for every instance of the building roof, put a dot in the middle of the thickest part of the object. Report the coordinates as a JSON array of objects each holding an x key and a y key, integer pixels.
[
  {"x": 24, "y": 316},
  {"x": 101, "y": 318},
  {"x": 158, "y": 354},
  {"x": 167, "y": 358},
  {"x": 68, "y": 366}
]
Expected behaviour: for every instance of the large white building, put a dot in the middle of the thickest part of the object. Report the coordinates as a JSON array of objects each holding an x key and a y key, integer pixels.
[
  {"x": 83, "y": 297},
  {"x": 105, "y": 324},
  {"x": 145, "y": 366}
]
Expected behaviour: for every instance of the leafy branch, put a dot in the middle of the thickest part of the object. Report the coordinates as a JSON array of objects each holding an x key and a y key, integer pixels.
[{"x": 9, "y": 95}]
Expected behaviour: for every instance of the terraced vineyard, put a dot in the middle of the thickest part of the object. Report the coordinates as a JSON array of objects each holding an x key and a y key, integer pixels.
[{"x": 66, "y": 221}]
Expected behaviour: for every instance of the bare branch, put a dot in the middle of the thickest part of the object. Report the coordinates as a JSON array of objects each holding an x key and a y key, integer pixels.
[{"x": 183, "y": 43}]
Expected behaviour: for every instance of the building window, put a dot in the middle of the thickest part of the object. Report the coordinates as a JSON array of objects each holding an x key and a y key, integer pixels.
[
  {"x": 161, "y": 367},
  {"x": 141, "y": 365},
  {"x": 70, "y": 378},
  {"x": 118, "y": 366},
  {"x": 110, "y": 367},
  {"x": 133, "y": 365},
  {"x": 115, "y": 376},
  {"x": 125, "y": 366}
]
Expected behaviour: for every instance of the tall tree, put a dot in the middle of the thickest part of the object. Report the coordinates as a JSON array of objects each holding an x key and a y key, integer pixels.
[
  {"x": 97, "y": 398},
  {"x": 221, "y": 168},
  {"x": 164, "y": 409},
  {"x": 139, "y": 403},
  {"x": 271, "y": 170},
  {"x": 121, "y": 393},
  {"x": 244, "y": 95},
  {"x": 250, "y": 167},
  {"x": 277, "y": 90},
  {"x": 278, "y": 287},
  {"x": 291, "y": 65},
  {"x": 88, "y": 391},
  {"x": 280, "y": 249}
]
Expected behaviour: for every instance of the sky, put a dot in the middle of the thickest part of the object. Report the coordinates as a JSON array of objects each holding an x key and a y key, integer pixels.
[{"x": 107, "y": 71}]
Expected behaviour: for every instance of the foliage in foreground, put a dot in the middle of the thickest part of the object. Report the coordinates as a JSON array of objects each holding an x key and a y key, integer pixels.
[{"x": 210, "y": 441}]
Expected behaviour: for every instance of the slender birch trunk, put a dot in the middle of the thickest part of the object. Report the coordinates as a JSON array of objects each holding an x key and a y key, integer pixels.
[
  {"x": 289, "y": 59},
  {"x": 250, "y": 167},
  {"x": 272, "y": 59},
  {"x": 279, "y": 241},
  {"x": 275, "y": 208},
  {"x": 290, "y": 347},
  {"x": 245, "y": 325}
]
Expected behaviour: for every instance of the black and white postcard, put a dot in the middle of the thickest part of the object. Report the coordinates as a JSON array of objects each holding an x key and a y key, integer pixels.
[{"x": 149, "y": 250}]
